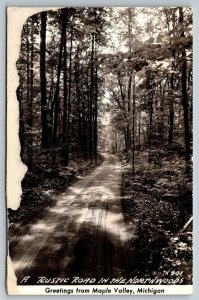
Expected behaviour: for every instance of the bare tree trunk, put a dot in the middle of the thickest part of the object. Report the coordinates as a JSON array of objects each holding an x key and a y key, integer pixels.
[
  {"x": 161, "y": 120},
  {"x": 185, "y": 101},
  {"x": 57, "y": 88},
  {"x": 129, "y": 112},
  {"x": 171, "y": 111},
  {"x": 79, "y": 116},
  {"x": 150, "y": 118},
  {"x": 91, "y": 96},
  {"x": 51, "y": 113},
  {"x": 31, "y": 76},
  {"x": 65, "y": 104},
  {"x": 68, "y": 133},
  {"x": 95, "y": 114},
  {"x": 44, "y": 125},
  {"x": 133, "y": 129}
]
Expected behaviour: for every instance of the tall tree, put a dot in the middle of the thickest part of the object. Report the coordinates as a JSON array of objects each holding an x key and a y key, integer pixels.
[
  {"x": 59, "y": 67},
  {"x": 65, "y": 141},
  {"x": 44, "y": 111},
  {"x": 185, "y": 100}
]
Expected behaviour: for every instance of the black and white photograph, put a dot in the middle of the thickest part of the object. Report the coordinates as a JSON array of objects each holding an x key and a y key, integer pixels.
[{"x": 104, "y": 135}]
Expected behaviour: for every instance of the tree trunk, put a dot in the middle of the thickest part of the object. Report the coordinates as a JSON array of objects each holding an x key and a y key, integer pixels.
[
  {"x": 161, "y": 115},
  {"x": 65, "y": 108},
  {"x": 44, "y": 125},
  {"x": 133, "y": 129},
  {"x": 171, "y": 111},
  {"x": 57, "y": 87},
  {"x": 150, "y": 118},
  {"x": 31, "y": 77},
  {"x": 91, "y": 96},
  {"x": 185, "y": 101},
  {"x": 95, "y": 114},
  {"x": 28, "y": 80},
  {"x": 77, "y": 78},
  {"x": 51, "y": 102}
]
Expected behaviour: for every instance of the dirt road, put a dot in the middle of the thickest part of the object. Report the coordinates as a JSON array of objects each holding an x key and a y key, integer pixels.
[{"x": 83, "y": 235}]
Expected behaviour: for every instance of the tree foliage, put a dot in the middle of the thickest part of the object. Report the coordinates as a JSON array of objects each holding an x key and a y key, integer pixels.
[
  {"x": 149, "y": 77},
  {"x": 59, "y": 83}
]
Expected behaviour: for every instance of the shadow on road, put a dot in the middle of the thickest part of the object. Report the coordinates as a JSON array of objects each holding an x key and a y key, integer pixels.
[{"x": 97, "y": 254}]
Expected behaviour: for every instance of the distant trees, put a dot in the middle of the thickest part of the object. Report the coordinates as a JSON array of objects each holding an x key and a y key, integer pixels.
[
  {"x": 59, "y": 83},
  {"x": 149, "y": 81}
]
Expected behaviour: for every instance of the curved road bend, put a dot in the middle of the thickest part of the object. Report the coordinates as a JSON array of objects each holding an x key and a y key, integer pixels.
[{"x": 83, "y": 235}]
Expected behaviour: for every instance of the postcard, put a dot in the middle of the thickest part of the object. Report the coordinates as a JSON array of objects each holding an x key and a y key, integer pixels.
[{"x": 99, "y": 150}]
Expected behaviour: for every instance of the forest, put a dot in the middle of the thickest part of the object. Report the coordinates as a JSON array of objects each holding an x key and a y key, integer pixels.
[{"x": 99, "y": 81}]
